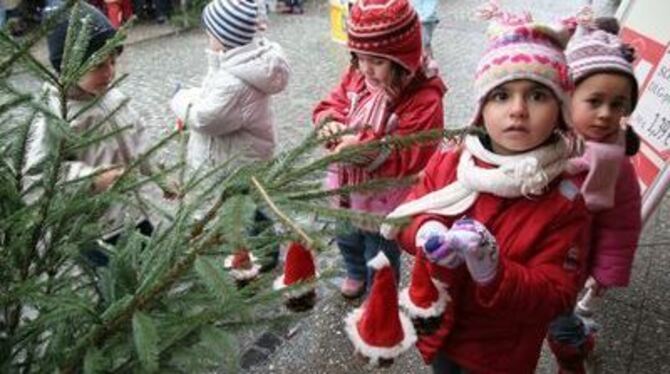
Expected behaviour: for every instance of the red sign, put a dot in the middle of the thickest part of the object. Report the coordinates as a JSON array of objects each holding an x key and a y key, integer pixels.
[{"x": 651, "y": 118}]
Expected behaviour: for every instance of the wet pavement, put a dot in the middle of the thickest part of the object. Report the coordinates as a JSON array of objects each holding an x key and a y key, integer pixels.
[{"x": 635, "y": 334}]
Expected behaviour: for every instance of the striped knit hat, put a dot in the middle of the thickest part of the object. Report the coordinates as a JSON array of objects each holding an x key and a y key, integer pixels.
[
  {"x": 388, "y": 29},
  {"x": 231, "y": 22},
  {"x": 594, "y": 50},
  {"x": 520, "y": 48}
]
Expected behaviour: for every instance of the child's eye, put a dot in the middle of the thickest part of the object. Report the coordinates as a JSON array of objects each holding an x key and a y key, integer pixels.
[
  {"x": 377, "y": 61},
  {"x": 498, "y": 96},
  {"x": 593, "y": 102},
  {"x": 538, "y": 95}
]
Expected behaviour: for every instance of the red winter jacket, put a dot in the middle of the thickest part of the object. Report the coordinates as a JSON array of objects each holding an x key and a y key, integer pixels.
[
  {"x": 419, "y": 108},
  {"x": 499, "y": 328}
]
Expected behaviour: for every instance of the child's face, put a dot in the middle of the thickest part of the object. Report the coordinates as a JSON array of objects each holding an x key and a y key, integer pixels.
[
  {"x": 519, "y": 116},
  {"x": 96, "y": 80},
  {"x": 214, "y": 44},
  {"x": 598, "y": 104},
  {"x": 376, "y": 70}
]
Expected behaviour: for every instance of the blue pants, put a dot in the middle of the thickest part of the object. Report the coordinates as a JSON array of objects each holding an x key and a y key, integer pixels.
[{"x": 359, "y": 246}]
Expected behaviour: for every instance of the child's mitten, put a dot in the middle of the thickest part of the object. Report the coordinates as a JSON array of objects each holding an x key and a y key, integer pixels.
[
  {"x": 433, "y": 237},
  {"x": 480, "y": 249}
]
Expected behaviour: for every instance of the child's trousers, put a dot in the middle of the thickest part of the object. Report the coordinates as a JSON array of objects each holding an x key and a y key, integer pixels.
[{"x": 360, "y": 246}]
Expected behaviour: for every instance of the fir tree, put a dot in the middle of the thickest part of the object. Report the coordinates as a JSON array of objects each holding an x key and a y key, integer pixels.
[{"x": 162, "y": 303}]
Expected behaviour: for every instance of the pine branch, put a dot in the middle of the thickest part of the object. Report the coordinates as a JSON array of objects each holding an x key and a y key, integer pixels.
[
  {"x": 35, "y": 37},
  {"x": 349, "y": 153},
  {"x": 94, "y": 101},
  {"x": 20, "y": 151},
  {"x": 369, "y": 186},
  {"x": 139, "y": 301},
  {"x": 287, "y": 221}
]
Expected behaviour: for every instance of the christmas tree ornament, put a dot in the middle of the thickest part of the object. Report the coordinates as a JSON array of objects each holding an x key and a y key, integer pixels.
[
  {"x": 299, "y": 268},
  {"x": 425, "y": 299},
  {"x": 243, "y": 266},
  {"x": 378, "y": 329}
]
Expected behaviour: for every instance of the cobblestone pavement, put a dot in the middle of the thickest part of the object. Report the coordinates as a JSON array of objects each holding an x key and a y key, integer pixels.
[{"x": 634, "y": 335}]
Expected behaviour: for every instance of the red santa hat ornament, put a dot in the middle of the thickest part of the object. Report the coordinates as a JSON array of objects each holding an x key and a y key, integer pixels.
[
  {"x": 425, "y": 299},
  {"x": 378, "y": 329},
  {"x": 243, "y": 266},
  {"x": 299, "y": 268}
]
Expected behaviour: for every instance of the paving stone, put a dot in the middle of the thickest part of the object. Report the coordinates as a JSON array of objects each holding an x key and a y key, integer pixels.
[
  {"x": 268, "y": 341},
  {"x": 253, "y": 357}
]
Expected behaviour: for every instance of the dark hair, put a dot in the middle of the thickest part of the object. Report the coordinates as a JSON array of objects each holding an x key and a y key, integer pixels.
[
  {"x": 100, "y": 31},
  {"x": 398, "y": 74},
  {"x": 632, "y": 142}
]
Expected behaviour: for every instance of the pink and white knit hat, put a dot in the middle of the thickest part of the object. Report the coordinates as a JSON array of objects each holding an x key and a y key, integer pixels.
[
  {"x": 520, "y": 48},
  {"x": 592, "y": 50}
]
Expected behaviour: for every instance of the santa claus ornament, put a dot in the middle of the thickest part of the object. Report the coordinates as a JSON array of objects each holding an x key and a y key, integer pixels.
[
  {"x": 243, "y": 266},
  {"x": 378, "y": 329},
  {"x": 425, "y": 299},
  {"x": 298, "y": 268}
]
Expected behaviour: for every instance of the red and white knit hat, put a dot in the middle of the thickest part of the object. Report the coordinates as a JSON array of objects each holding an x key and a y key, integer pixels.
[
  {"x": 243, "y": 265},
  {"x": 520, "y": 48},
  {"x": 378, "y": 329},
  {"x": 298, "y": 267},
  {"x": 388, "y": 29},
  {"x": 423, "y": 298}
]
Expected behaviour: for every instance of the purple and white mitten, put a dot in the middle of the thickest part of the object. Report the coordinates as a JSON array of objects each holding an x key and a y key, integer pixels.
[
  {"x": 438, "y": 245},
  {"x": 480, "y": 249}
]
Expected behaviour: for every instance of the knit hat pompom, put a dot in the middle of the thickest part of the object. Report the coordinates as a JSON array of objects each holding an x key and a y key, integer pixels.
[
  {"x": 521, "y": 48},
  {"x": 388, "y": 29},
  {"x": 232, "y": 22}
]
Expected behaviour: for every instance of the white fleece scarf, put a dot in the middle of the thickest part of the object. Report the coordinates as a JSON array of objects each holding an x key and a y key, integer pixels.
[{"x": 517, "y": 175}]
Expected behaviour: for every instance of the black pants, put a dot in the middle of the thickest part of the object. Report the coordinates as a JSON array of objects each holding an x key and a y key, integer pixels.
[{"x": 96, "y": 256}]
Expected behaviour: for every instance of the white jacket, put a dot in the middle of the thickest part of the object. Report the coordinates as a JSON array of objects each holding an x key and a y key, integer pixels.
[
  {"x": 121, "y": 149},
  {"x": 230, "y": 115}
]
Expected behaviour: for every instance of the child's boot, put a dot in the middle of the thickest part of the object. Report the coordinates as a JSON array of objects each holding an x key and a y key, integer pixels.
[{"x": 571, "y": 359}]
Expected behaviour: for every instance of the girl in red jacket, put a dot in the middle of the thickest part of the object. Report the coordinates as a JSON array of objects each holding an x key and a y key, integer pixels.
[
  {"x": 606, "y": 91},
  {"x": 385, "y": 92},
  {"x": 500, "y": 223}
]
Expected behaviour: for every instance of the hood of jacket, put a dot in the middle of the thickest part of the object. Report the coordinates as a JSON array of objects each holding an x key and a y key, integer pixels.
[{"x": 261, "y": 63}]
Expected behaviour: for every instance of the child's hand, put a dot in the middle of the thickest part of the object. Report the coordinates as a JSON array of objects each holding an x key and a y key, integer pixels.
[
  {"x": 106, "y": 179},
  {"x": 345, "y": 141},
  {"x": 479, "y": 249},
  {"x": 439, "y": 246},
  {"x": 329, "y": 129},
  {"x": 179, "y": 125}
]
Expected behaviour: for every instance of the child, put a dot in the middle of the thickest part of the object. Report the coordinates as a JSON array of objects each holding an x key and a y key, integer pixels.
[
  {"x": 119, "y": 11},
  {"x": 111, "y": 155},
  {"x": 385, "y": 92},
  {"x": 606, "y": 92},
  {"x": 508, "y": 220},
  {"x": 427, "y": 10},
  {"x": 229, "y": 116}
]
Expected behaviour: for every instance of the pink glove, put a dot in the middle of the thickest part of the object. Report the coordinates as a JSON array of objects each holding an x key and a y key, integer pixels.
[
  {"x": 479, "y": 250},
  {"x": 440, "y": 247}
]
